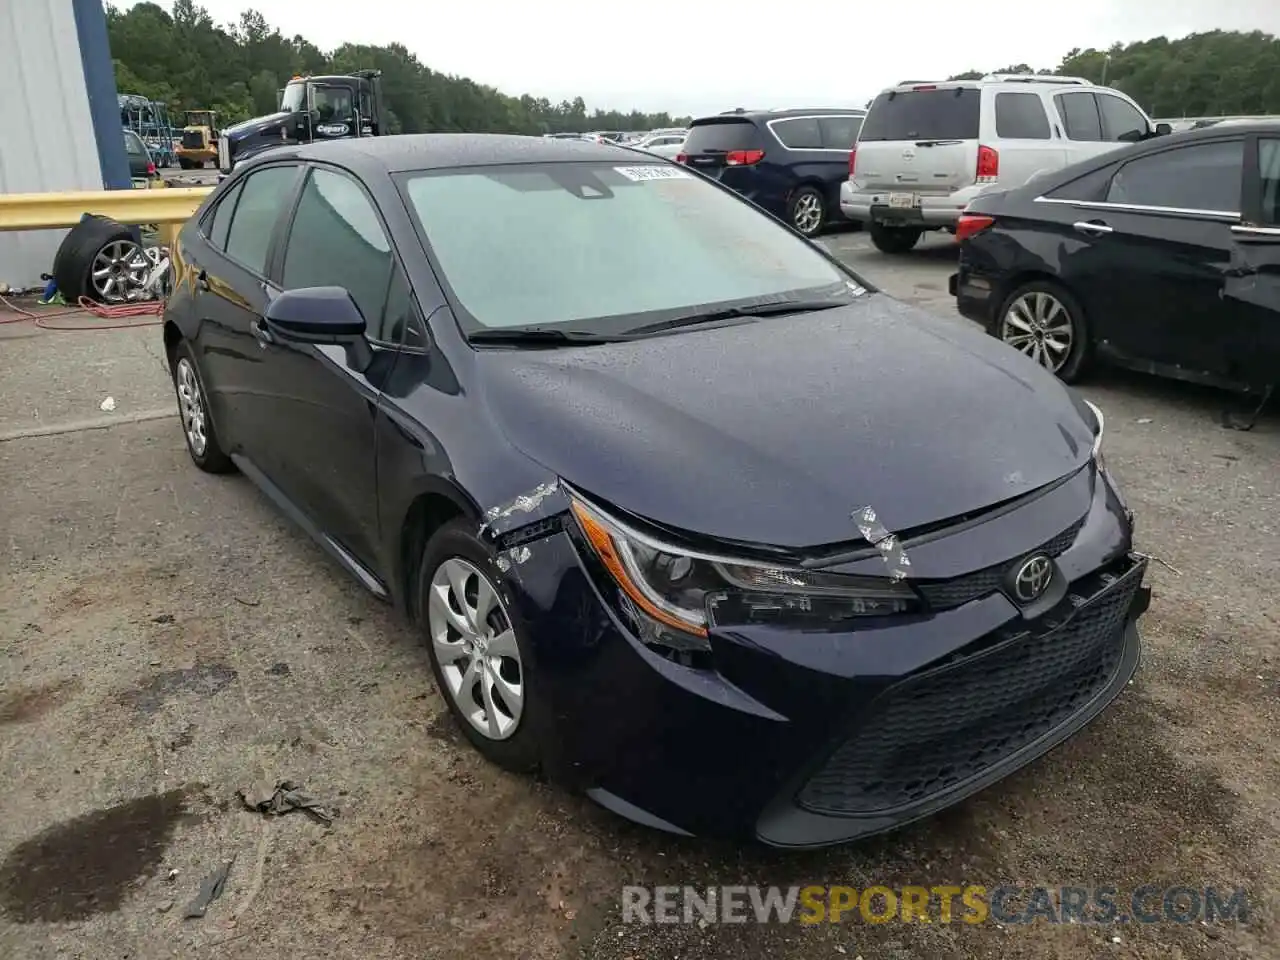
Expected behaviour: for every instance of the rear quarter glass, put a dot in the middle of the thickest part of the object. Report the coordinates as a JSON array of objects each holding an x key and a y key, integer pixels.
[
  {"x": 721, "y": 136},
  {"x": 947, "y": 113}
]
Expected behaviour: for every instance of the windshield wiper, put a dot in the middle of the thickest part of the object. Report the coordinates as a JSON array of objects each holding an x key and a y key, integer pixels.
[
  {"x": 539, "y": 335},
  {"x": 937, "y": 143},
  {"x": 732, "y": 313}
]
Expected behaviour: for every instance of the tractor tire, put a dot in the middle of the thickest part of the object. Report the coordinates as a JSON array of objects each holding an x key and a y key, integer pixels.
[{"x": 185, "y": 164}]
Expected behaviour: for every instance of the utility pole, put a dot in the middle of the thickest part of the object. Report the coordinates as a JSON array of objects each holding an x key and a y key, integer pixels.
[{"x": 1106, "y": 62}]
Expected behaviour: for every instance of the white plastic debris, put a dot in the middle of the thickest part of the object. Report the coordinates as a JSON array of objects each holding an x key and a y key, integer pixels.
[
  {"x": 108, "y": 404},
  {"x": 1144, "y": 420}
]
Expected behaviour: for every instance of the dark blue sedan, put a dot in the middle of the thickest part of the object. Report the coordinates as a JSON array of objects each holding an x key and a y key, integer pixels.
[{"x": 689, "y": 516}]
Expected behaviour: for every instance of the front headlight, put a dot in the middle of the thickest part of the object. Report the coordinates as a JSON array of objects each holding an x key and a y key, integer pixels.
[{"x": 676, "y": 595}]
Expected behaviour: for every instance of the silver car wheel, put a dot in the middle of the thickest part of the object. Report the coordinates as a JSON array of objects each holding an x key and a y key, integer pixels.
[
  {"x": 1038, "y": 325},
  {"x": 119, "y": 272},
  {"x": 191, "y": 403},
  {"x": 807, "y": 215},
  {"x": 476, "y": 648}
]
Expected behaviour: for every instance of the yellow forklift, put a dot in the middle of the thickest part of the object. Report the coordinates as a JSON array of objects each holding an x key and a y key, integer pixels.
[{"x": 199, "y": 140}]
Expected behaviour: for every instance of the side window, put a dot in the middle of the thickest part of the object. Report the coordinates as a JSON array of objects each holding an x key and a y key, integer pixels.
[
  {"x": 262, "y": 198},
  {"x": 1269, "y": 174},
  {"x": 840, "y": 133},
  {"x": 220, "y": 222},
  {"x": 800, "y": 133},
  {"x": 1120, "y": 120},
  {"x": 402, "y": 321},
  {"x": 1205, "y": 176},
  {"x": 1092, "y": 187},
  {"x": 337, "y": 240},
  {"x": 1080, "y": 120},
  {"x": 1020, "y": 116}
]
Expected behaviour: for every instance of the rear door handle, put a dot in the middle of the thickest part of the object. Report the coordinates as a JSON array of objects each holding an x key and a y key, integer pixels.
[
  {"x": 260, "y": 331},
  {"x": 1092, "y": 227},
  {"x": 202, "y": 280}
]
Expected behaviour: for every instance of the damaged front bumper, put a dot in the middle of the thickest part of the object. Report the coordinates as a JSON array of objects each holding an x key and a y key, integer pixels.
[{"x": 806, "y": 738}]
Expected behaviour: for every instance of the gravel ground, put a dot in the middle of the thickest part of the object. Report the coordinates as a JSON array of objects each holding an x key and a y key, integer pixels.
[{"x": 166, "y": 638}]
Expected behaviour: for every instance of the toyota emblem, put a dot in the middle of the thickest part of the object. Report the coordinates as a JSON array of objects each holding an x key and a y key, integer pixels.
[{"x": 1032, "y": 578}]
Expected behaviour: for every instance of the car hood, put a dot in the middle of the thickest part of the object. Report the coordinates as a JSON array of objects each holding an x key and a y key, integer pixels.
[
  {"x": 247, "y": 128},
  {"x": 775, "y": 431}
]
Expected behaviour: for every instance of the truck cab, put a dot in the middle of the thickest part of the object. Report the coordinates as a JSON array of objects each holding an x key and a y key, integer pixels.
[{"x": 334, "y": 107}]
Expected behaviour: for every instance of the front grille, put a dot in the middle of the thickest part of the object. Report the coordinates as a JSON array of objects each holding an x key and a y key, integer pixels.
[
  {"x": 945, "y": 594},
  {"x": 933, "y": 733},
  {"x": 193, "y": 140}
]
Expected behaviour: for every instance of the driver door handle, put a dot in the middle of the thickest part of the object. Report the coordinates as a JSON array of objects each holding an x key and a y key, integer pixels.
[
  {"x": 1094, "y": 228},
  {"x": 259, "y": 327},
  {"x": 202, "y": 280}
]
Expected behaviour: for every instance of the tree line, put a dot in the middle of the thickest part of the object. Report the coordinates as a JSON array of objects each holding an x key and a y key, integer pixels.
[
  {"x": 181, "y": 57},
  {"x": 1220, "y": 73}
]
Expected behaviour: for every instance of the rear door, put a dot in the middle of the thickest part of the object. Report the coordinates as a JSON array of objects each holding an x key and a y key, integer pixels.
[
  {"x": 230, "y": 269},
  {"x": 922, "y": 139},
  {"x": 1023, "y": 136},
  {"x": 1165, "y": 251},
  {"x": 1253, "y": 290}
]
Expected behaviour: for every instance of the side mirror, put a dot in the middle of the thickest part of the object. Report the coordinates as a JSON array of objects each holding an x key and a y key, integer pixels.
[
  {"x": 321, "y": 315},
  {"x": 1163, "y": 129}
]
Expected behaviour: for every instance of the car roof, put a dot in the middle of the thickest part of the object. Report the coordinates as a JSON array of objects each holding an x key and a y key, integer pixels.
[
  {"x": 437, "y": 151},
  {"x": 754, "y": 115}
]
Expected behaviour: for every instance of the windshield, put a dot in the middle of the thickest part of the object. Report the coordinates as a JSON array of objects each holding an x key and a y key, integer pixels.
[
  {"x": 950, "y": 113},
  {"x": 604, "y": 247},
  {"x": 294, "y": 98}
]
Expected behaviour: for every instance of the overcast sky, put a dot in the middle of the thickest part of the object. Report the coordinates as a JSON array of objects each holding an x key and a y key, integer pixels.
[{"x": 700, "y": 56}]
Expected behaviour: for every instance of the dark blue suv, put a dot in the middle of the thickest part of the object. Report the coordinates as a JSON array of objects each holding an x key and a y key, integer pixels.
[{"x": 789, "y": 162}]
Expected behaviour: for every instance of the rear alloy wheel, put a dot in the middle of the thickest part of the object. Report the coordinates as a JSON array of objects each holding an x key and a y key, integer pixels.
[
  {"x": 894, "y": 239},
  {"x": 476, "y": 645},
  {"x": 197, "y": 428},
  {"x": 808, "y": 214},
  {"x": 1044, "y": 322}
]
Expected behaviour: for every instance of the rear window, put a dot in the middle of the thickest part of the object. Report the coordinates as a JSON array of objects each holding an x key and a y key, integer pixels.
[
  {"x": 133, "y": 145},
  {"x": 945, "y": 114},
  {"x": 715, "y": 136}
]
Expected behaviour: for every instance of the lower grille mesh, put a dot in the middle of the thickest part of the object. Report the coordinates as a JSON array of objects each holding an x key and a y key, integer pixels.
[{"x": 933, "y": 733}]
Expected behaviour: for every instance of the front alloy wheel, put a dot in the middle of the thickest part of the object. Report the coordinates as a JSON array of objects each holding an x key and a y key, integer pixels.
[{"x": 475, "y": 648}]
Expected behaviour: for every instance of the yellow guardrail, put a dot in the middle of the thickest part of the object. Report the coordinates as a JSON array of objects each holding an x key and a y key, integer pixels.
[{"x": 47, "y": 211}]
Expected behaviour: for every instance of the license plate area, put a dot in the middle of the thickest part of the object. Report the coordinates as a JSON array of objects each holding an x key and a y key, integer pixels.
[{"x": 904, "y": 201}]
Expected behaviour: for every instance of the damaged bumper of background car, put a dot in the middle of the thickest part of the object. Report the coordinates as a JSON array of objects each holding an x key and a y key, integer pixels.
[{"x": 805, "y": 724}]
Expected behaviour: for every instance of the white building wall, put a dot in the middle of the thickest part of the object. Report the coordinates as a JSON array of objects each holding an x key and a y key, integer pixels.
[{"x": 47, "y": 141}]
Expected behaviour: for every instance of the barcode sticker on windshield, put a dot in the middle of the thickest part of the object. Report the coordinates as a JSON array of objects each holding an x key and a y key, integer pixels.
[{"x": 653, "y": 173}]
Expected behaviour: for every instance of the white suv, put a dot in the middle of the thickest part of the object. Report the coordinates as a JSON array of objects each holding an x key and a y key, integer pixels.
[{"x": 926, "y": 149}]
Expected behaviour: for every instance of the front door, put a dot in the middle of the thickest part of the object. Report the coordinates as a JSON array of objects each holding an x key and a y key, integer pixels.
[{"x": 326, "y": 405}]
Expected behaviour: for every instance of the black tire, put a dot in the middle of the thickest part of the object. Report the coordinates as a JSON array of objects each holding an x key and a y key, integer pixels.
[
  {"x": 1080, "y": 352},
  {"x": 895, "y": 239},
  {"x": 212, "y": 458},
  {"x": 185, "y": 164},
  {"x": 519, "y": 752},
  {"x": 74, "y": 259},
  {"x": 803, "y": 200}
]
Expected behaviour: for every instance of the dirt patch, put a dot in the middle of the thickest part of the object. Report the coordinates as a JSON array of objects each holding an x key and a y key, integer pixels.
[
  {"x": 31, "y": 703},
  {"x": 87, "y": 865},
  {"x": 202, "y": 679}
]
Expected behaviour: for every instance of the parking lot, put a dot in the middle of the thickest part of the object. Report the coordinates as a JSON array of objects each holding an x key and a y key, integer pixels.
[{"x": 168, "y": 638}]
